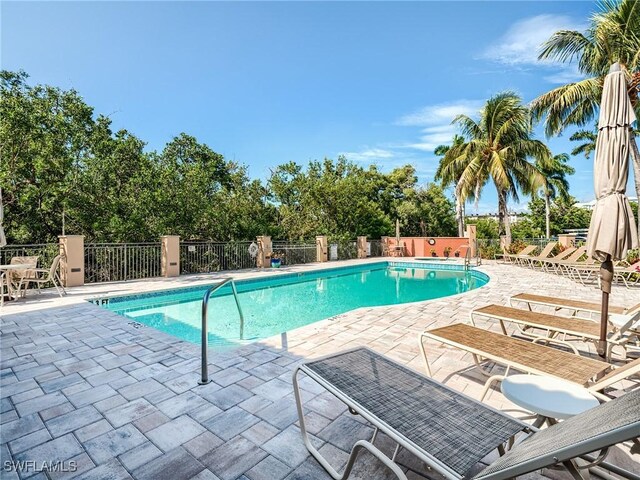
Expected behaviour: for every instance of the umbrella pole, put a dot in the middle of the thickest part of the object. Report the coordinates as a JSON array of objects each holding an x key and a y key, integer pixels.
[{"x": 606, "y": 278}]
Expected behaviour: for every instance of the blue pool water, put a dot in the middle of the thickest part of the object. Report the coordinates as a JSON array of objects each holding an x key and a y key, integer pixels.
[{"x": 275, "y": 304}]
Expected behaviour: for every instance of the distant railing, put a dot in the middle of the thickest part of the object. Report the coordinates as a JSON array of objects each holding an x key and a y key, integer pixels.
[
  {"x": 45, "y": 252},
  {"x": 205, "y": 257},
  {"x": 113, "y": 262},
  {"x": 295, "y": 253}
]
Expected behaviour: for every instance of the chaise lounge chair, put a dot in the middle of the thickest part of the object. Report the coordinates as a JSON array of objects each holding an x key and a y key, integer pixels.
[
  {"x": 527, "y": 357},
  {"x": 511, "y": 258},
  {"x": 575, "y": 306},
  {"x": 555, "y": 325},
  {"x": 451, "y": 432},
  {"x": 562, "y": 260},
  {"x": 532, "y": 261}
]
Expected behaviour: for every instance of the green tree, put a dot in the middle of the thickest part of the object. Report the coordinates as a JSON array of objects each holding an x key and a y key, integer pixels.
[
  {"x": 497, "y": 148},
  {"x": 554, "y": 171},
  {"x": 428, "y": 212},
  {"x": 587, "y": 139},
  {"x": 613, "y": 35}
]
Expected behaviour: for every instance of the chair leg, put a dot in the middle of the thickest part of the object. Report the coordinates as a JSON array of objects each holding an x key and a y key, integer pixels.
[{"x": 359, "y": 445}]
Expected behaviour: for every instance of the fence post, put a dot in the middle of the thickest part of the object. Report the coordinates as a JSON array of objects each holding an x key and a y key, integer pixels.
[
  {"x": 322, "y": 248},
  {"x": 265, "y": 248},
  {"x": 170, "y": 256},
  {"x": 567, "y": 240},
  {"x": 473, "y": 241},
  {"x": 362, "y": 247},
  {"x": 384, "y": 246},
  {"x": 72, "y": 261}
]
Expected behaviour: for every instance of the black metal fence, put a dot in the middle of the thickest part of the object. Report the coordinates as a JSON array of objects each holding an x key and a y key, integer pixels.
[
  {"x": 113, "y": 262},
  {"x": 205, "y": 257},
  {"x": 45, "y": 252},
  {"x": 295, "y": 253}
]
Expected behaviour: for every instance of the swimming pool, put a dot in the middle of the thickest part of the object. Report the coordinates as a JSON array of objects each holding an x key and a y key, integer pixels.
[{"x": 278, "y": 303}]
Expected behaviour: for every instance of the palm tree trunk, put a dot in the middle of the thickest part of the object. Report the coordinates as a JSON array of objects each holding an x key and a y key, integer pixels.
[
  {"x": 503, "y": 215},
  {"x": 635, "y": 155},
  {"x": 459, "y": 218},
  {"x": 547, "y": 213}
]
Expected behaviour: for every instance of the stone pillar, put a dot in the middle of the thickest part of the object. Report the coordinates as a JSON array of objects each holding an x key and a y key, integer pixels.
[
  {"x": 384, "y": 245},
  {"x": 567, "y": 240},
  {"x": 322, "y": 248},
  {"x": 170, "y": 258},
  {"x": 72, "y": 261},
  {"x": 473, "y": 241},
  {"x": 265, "y": 248},
  {"x": 362, "y": 247}
]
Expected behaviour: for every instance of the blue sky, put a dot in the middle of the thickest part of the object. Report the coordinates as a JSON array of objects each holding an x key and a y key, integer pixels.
[{"x": 266, "y": 83}]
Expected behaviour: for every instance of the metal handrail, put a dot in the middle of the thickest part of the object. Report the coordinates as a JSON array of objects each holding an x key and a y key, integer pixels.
[{"x": 205, "y": 333}]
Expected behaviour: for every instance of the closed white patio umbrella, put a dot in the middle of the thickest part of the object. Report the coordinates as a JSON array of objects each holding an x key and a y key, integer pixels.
[{"x": 612, "y": 231}]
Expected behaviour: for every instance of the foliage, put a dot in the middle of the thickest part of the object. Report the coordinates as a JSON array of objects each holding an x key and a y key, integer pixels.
[
  {"x": 485, "y": 227},
  {"x": 496, "y": 148},
  {"x": 613, "y": 36},
  {"x": 63, "y": 165}
]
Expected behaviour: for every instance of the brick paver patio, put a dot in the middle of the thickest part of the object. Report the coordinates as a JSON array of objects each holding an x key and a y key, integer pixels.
[{"x": 119, "y": 400}]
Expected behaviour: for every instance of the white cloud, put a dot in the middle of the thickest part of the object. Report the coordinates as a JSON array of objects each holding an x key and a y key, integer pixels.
[
  {"x": 520, "y": 44},
  {"x": 369, "y": 155},
  {"x": 436, "y": 122},
  {"x": 440, "y": 114}
]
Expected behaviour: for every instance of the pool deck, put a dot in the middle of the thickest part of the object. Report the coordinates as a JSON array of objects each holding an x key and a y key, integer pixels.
[{"x": 121, "y": 400}]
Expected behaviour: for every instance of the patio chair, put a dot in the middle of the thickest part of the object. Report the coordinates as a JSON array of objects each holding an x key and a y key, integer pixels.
[
  {"x": 554, "y": 326},
  {"x": 628, "y": 274},
  {"x": 575, "y": 306},
  {"x": 509, "y": 257},
  {"x": 557, "y": 263},
  {"x": 528, "y": 357},
  {"x": 523, "y": 255},
  {"x": 450, "y": 431},
  {"x": 44, "y": 276},
  {"x": 18, "y": 280},
  {"x": 544, "y": 254}
]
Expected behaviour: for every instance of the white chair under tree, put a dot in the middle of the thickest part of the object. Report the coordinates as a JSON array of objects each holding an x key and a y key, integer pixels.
[{"x": 42, "y": 276}]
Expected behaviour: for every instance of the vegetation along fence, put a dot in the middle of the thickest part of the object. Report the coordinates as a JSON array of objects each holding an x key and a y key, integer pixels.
[
  {"x": 112, "y": 262},
  {"x": 204, "y": 257}
]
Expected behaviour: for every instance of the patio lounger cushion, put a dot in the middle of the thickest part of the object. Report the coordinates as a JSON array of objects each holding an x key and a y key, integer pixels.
[
  {"x": 422, "y": 411},
  {"x": 449, "y": 431},
  {"x": 520, "y": 354},
  {"x": 574, "y": 326},
  {"x": 570, "y": 304},
  {"x": 584, "y": 329}
]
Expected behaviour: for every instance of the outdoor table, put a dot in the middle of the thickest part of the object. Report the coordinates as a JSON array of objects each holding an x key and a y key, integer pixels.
[
  {"x": 549, "y": 398},
  {"x": 18, "y": 267}
]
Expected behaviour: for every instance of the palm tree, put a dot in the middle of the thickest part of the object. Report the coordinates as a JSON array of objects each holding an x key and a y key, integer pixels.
[
  {"x": 588, "y": 142},
  {"x": 613, "y": 36},
  {"x": 450, "y": 177},
  {"x": 554, "y": 171},
  {"x": 496, "y": 148}
]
